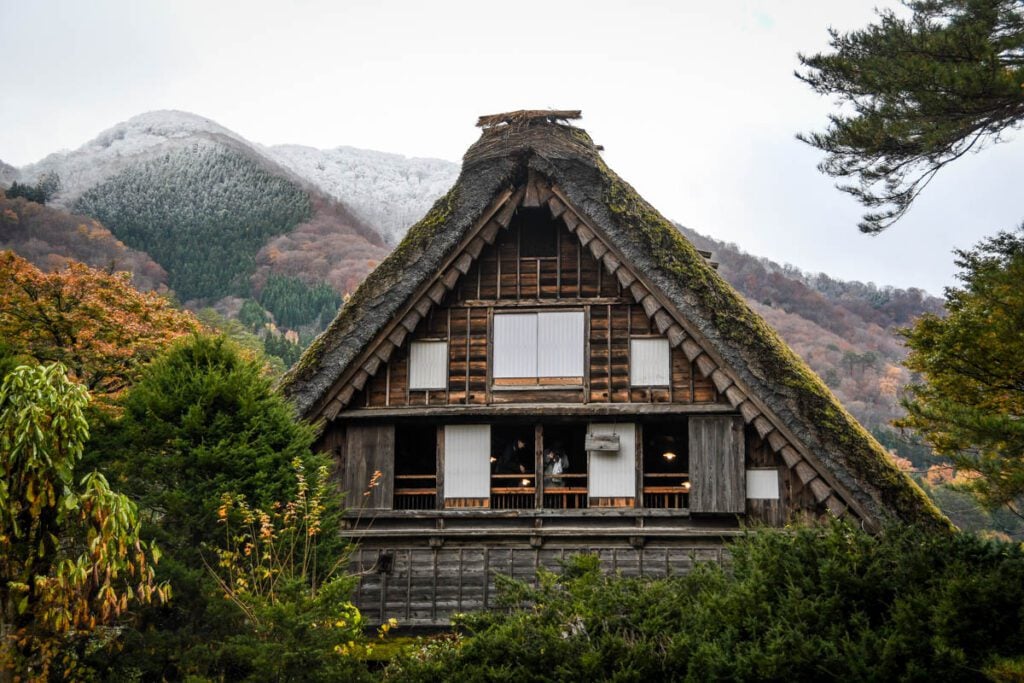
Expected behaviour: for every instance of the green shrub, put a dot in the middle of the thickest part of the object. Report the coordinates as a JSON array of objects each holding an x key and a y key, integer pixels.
[{"x": 805, "y": 604}]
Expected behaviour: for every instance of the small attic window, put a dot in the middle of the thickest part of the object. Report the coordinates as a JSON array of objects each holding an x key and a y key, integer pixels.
[{"x": 538, "y": 234}]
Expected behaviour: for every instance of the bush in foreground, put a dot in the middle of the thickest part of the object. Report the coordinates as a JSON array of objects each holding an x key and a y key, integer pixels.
[{"x": 809, "y": 604}]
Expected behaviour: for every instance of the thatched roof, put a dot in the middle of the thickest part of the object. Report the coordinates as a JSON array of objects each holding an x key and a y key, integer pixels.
[{"x": 511, "y": 147}]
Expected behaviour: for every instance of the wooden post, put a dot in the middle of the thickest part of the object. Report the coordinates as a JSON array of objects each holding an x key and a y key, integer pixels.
[{"x": 538, "y": 465}]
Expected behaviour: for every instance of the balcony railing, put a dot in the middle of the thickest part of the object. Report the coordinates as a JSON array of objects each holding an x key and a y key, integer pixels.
[
  {"x": 667, "y": 490},
  {"x": 513, "y": 491},
  {"x": 415, "y": 491},
  {"x": 565, "y": 491}
]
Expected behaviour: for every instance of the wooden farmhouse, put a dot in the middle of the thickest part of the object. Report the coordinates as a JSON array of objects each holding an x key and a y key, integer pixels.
[{"x": 546, "y": 366}]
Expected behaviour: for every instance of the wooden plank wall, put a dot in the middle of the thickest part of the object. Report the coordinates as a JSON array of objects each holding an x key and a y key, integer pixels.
[
  {"x": 425, "y": 586},
  {"x": 499, "y": 280},
  {"x": 717, "y": 468},
  {"x": 369, "y": 449}
]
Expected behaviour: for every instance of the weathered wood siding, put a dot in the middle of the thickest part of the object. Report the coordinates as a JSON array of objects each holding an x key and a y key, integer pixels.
[
  {"x": 717, "y": 465},
  {"x": 502, "y": 282},
  {"x": 369, "y": 449},
  {"x": 425, "y": 585}
]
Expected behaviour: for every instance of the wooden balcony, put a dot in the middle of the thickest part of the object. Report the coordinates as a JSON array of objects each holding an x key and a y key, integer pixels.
[
  {"x": 513, "y": 491},
  {"x": 565, "y": 491},
  {"x": 669, "y": 490},
  {"x": 415, "y": 492}
]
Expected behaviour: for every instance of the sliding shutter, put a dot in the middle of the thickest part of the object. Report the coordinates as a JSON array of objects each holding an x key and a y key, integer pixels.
[
  {"x": 515, "y": 345},
  {"x": 717, "y": 476},
  {"x": 428, "y": 365},
  {"x": 560, "y": 344},
  {"x": 467, "y": 461},
  {"x": 612, "y": 474}
]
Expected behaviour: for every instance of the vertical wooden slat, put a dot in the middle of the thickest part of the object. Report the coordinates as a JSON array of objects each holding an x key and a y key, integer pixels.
[
  {"x": 369, "y": 448},
  {"x": 716, "y": 465}
]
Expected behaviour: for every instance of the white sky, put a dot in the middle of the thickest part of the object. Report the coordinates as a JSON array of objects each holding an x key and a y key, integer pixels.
[{"x": 695, "y": 102}]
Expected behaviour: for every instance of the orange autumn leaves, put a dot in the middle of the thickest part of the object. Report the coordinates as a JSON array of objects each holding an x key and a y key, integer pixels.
[{"x": 92, "y": 321}]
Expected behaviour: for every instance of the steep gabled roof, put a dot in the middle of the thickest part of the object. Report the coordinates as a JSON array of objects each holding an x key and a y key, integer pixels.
[{"x": 531, "y": 158}]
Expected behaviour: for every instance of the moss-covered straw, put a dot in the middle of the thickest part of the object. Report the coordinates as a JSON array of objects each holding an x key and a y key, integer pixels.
[{"x": 752, "y": 350}]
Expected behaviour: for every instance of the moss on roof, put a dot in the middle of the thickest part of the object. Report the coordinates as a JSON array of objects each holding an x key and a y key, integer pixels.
[{"x": 652, "y": 244}]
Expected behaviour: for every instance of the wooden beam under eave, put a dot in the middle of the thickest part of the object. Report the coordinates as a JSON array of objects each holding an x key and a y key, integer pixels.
[
  {"x": 384, "y": 350},
  {"x": 691, "y": 349},
  {"x": 450, "y": 278},
  {"x": 625, "y": 277},
  {"x": 705, "y": 365},
  {"x": 836, "y": 506},
  {"x": 423, "y": 306},
  {"x": 411, "y": 320},
  {"x": 662, "y": 320},
  {"x": 463, "y": 263},
  {"x": 572, "y": 221},
  {"x": 568, "y": 410},
  {"x": 721, "y": 380},
  {"x": 790, "y": 456},
  {"x": 584, "y": 234},
  {"x": 763, "y": 426},
  {"x": 360, "y": 379},
  {"x": 820, "y": 489},
  {"x": 676, "y": 336},
  {"x": 475, "y": 247},
  {"x": 805, "y": 472},
  {"x": 611, "y": 263},
  {"x": 735, "y": 395},
  {"x": 749, "y": 411},
  {"x": 651, "y": 305},
  {"x": 436, "y": 292},
  {"x": 489, "y": 232},
  {"x": 777, "y": 441},
  {"x": 556, "y": 206},
  {"x": 372, "y": 365},
  {"x": 504, "y": 216},
  {"x": 597, "y": 248}
]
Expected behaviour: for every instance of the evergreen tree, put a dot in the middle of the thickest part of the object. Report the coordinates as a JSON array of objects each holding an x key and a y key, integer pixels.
[
  {"x": 919, "y": 93},
  {"x": 202, "y": 421},
  {"x": 970, "y": 405}
]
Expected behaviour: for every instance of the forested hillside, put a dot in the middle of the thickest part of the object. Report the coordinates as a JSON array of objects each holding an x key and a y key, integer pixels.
[
  {"x": 848, "y": 332},
  {"x": 202, "y": 212},
  {"x": 51, "y": 238}
]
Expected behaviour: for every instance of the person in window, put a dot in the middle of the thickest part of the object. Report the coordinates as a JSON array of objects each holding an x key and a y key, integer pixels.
[
  {"x": 555, "y": 463},
  {"x": 512, "y": 458}
]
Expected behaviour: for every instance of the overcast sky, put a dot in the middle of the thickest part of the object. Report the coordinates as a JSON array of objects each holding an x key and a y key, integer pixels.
[{"x": 695, "y": 103}]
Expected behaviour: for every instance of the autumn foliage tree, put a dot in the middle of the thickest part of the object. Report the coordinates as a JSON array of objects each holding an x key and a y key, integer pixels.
[
  {"x": 94, "y": 322},
  {"x": 71, "y": 561}
]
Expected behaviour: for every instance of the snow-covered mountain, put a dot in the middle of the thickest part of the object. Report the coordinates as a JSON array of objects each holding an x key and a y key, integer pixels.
[
  {"x": 138, "y": 139},
  {"x": 212, "y": 208},
  {"x": 388, "y": 191}
]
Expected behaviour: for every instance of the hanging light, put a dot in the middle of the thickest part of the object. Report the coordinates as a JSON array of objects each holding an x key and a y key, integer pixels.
[
  {"x": 669, "y": 456},
  {"x": 524, "y": 482},
  {"x": 686, "y": 486}
]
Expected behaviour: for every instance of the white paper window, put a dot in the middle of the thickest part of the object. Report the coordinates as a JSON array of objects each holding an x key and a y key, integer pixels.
[
  {"x": 649, "y": 362},
  {"x": 428, "y": 365},
  {"x": 515, "y": 345},
  {"x": 467, "y": 461},
  {"x": 763, "y": 484},
  {"x": 538, "y": 345},
  {"x": 613, "y": 473},
  {"x": 560, "y": 344}
]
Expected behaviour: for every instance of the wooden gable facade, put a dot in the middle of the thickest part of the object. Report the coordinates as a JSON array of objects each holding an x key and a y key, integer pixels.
[{"x": 537, "y": 338}]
